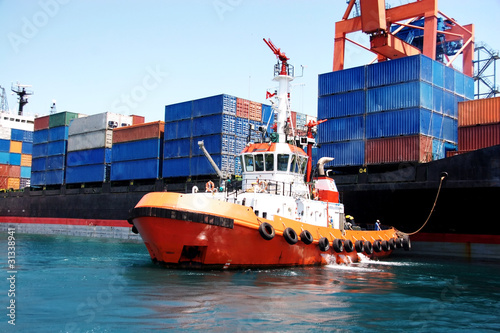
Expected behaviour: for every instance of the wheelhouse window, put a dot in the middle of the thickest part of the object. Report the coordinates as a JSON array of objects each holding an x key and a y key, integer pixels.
[
  {"x": 302, "y": 165},
  {"x": 259, "y": 162},
  {"x": 283, "y": 162},
  {"x": 249, "y": 163},
  {"x": 269, "y": 162}
]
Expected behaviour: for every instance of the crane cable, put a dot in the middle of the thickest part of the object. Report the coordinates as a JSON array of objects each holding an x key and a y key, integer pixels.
[{"x": 443, "y": 177}]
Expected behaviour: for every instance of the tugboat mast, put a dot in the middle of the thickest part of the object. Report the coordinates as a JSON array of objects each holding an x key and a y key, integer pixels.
[{"x": 22, "y": 93}]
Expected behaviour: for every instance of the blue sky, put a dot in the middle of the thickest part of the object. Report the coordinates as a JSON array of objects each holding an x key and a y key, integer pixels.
[{"x": 134, "y": 57}]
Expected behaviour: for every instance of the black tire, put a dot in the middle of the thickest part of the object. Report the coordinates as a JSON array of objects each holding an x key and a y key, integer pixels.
[
  {"x": 348, "y": 246},
  {"x": 399, "y": 243},
  {"x": 290, "y": 236},
  {"x": 324, "y": 244},
  {"x": 306, "y": 237},
  {"x": 338, "y": 245},
  {"x": 407, "y": 244},
  {"x": 266, "y": 231},
  {"x": 134, "y": 230},
  {"x": 377, "y": 246},
  {"x": 385, "y": 245},
  {"x": 368, "y": 247},
  {"x": 358, "y": 245},
  {"x": 392, "y": 243}
]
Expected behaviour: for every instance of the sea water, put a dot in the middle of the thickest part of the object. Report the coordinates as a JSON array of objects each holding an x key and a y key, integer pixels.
[{"x": 71, "y": 284}]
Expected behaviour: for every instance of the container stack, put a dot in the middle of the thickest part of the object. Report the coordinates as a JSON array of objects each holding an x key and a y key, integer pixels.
[
  {"x": 137, "y": 152},
  {"x": 403, "y": 110},
  {"x": 50, "y": 140},
  {"x": 478, "y": 124},
  {"x": 222, "y": 122},
  {"x": 89, "y": 147},
  {"x": 16, "y": 147}
]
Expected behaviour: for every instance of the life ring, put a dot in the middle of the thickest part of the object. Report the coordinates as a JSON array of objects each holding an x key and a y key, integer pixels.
[
  {"x": 209, "y": 186},
  {"x": 348, "y": 246},
  {"x": 324, "y": 244},
  {"x": 194, "y": 189},
  {"x": 338, "y": 246},
  {"x": 306, "y": 237},
  {"x": 385, "y": 245},
  {"x": 358, "y": 245},
  {"x": 266, "y": 230},
  {"x": 368, "y": 247},
  {"x": 377, "y": 246},
  {"x": 290, "y": 236},
  {"x": 407, "y": 243}
]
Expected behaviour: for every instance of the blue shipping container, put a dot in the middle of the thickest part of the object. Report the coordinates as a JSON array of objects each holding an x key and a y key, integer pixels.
[
  {"x": 137, "y": 169},
  {"x": 41, "y": 136},
  {"x": 341, "y": 129},
  {"x": 178, "y": 129},
  {"x": 450, "y": 130},
  {"x": 177, "y": 148},
  {"x": 400, "y": 96},
  {"x": 350, "y": 153},
  {"x": 179, "y": 111},
  {"x": 400, "y": 122},
  {"x": 27, "y": 148},
  {"x": 438, "y": 151},
  {"x": 438, "y": 97},
  {"x": 438, "y": 74},
  {"x": 342, "y": 105},
  {"x": 58, "y": 133},
  {"x": 215, "y": 144},
  {"x": 341, "y": 81},
  {"x": 39, "y": 164},
  {"x": 201, "y": 166},
  {"x": 20, "y": 135},
  {"x": 89, "y": 156},
  {"x": 215, "y": 124},
  {"x": 4, "y": 157},
  {"x": 40, "y": 149},
  {"x": 15, "y": 159},
  {"x": 38, "y": 178},
  {"x": 56, "y": 147},
  {"x": 176, "y": 167},
  {"x": 450, "y": 104},
  {"x": 459, "y": 83},
  {"x": 56, "y": 162},
  {"x": 25, "y": 172},
  {"x": 214, "y": 105},
  {"x": 137, "y": 150},
  {"x": 469, "y": 87},
  {"x": 449, "y": 79},
  {"x": 406, "y": 69},
  {"x": 54, "y": 177},
  {"x": 87, "y": 173},
  {"x": 4, "y": 145}
]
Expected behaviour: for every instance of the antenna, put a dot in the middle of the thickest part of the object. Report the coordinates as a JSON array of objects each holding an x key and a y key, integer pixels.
[
  {"x": 53, "y": 107},
  {"x": 22, "y": 93},
  {"x": 4, "y": 103}
]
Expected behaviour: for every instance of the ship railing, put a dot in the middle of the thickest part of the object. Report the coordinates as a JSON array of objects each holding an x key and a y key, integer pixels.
[{"x": 264, "y": 186}]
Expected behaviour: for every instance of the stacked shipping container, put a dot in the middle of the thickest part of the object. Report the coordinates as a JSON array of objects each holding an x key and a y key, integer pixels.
[
  {"x": 479, "y": 124},
  {"x": 395, "y": 111},
  {"x": 137, "y": 152},
  {"x": 50, "y": 140},
  {"x": 16, "y": 147},
  {"x": 89, "y": 147}
]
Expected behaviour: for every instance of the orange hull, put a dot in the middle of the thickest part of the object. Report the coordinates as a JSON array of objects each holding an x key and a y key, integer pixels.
[{"x": 185, "y": 231}]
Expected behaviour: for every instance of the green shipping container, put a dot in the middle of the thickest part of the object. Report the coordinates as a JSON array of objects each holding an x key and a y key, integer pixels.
[{"x": 61, "y": 118}]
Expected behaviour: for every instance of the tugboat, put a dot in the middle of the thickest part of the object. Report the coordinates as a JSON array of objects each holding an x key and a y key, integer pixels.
[{"x": 277, "y": 218}]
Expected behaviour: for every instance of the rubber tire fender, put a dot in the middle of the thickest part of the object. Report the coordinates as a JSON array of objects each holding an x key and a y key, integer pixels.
[
  {"x": 306, "y": 237},
  {"x": 392, "y": 244},
  {"x": 358, "y": 245},
  {"x": 266, "y": 230},
  {"x": 338, "y": 245},
  {"x": 324, "y": 244},
  {"x": 385, "y": 245},
  {"x": 348, "y": 246},
  {"x": 407, "y": 244},
  {"x": 368, "y": 247},
  {"x": 290, "y": 236},
  {"x": 399, "y": 243}
]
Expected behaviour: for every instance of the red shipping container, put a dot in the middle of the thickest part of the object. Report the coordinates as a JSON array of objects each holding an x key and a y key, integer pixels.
[
  {"x": 42, "y": 123},
  {"x": 139, "y": 132},
  {"x": 242, "y": 108},
  {"x": 417, "y": 148},
  {"x": 4, "y": 182},
  {"x": 14, "y": 171},
  {"x": 4, "y": 170},
  {"x": 479, "y": 112},
  {"x": 137, "y": 119},
  {"x": 477, "y": 137}
]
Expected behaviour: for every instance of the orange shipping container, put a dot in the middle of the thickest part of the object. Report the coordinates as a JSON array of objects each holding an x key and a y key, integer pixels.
[
  {"x": 25, "y": 160},
  {"x": 14, "y": 183},
  {"x": 14, "y": 171},
  {"x": 416, "y": 148},
  {"x": 255, "y": 111},
  {"x": 242, "y": 107},
  {"x": 477, "y": 137},
  {"x": 479, "y": 111},
  {"x": 139, "y": 132},
  {"x": 16, "y": 147},
  {"x": 137, "y": 119}
]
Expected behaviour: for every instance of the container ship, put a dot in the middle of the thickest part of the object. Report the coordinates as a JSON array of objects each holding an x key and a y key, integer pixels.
[{"x": 411, "y": 146}]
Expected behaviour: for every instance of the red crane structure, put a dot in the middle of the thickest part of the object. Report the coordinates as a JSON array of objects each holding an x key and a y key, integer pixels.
[
  {"x": 280, "y": 55},
  {"x": 376, "y": 21}
]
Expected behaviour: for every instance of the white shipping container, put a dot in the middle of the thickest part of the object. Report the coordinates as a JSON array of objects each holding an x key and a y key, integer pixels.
[
  {"x": 5, "y": 133},
  {"x": 90, "y": 140},
  {"x": 98, "y": 122}
]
